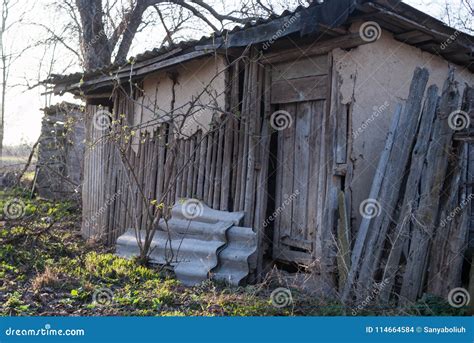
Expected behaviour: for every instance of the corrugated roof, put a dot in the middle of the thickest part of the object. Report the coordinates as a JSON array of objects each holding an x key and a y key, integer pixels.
[
  {"x": 209, "y": 244},
  {"x": 214, "y": 39},
  {"x": 394, "y": 14}
]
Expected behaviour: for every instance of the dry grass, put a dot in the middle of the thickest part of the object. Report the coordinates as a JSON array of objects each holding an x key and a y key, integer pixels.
[{"x": 49, "y": 278}]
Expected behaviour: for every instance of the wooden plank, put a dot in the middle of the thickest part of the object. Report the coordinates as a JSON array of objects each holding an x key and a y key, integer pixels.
[
  {"x": 340, "y": 111},
  {"x": 180, "y": 169},
  {"x": 278, "y": 191},
  {"x": 293, "y": 256},
  {"x": 332, "y": 184},
  {"x": 400, "y": 232},
  {"x": 202, "y": 166},
  {"x": 303, "y": 89},
  {"x": 141, "y": 181},
  {"x": 314, "y": 165},
  {"x": 393, "y": 181},
  {"x": 226, "y": 164},
  {"x": 244, "y": 137},
  {"x": 236, "y": 129},
  {"x": 169, "y": 187},
  {"x": 319, "y": 174},
  {"x": 160, "y": 173},
  {"x": 197, "y": 155},
  {"x": 131, "y": 193},
  {"x": 212, "y": 170},
  {"x": 207, "y": 180},
  {"x": 190, "y": 167},
  {"x": 185, "y": 167},
  {"x": 374, "y": 192},
  {"x": 413, "y": 37},
  {"x": 449, "y": 244},
  {"x": 262, "y": 188},
  {"x": 299, "y": 230},
  {"x": 103, "y": 80},
  {"x": 313, "y": 66},
  {"x": 431, "y": 187},
  {"x": 286, "y": 168},
  {"x": 218, "y": 172},
  {"x": 319, "y": 48},
  {"x": 343, "y": 241},
  {"x": 253, "y": 117}
]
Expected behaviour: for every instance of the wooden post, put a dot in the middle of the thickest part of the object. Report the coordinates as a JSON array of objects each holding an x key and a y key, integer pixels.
[
  {"x": 400, "y": 232},
  {"x": 431, "y": 185}
]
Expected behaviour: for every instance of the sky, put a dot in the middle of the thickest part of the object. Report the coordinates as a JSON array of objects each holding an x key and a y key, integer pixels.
[{"x": 23, "y": 106}]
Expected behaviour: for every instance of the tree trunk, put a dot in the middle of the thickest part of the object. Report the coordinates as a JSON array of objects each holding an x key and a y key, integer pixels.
[{"x": 94, "y": 42}]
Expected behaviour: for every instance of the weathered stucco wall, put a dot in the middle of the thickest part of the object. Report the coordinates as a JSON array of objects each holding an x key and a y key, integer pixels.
[
  {"x": 375, "y": 78},
  {"x": 165, "y": 91}
]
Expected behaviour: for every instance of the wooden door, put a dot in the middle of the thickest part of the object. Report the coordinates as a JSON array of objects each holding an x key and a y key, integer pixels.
[{"x": 299, "y": 96}]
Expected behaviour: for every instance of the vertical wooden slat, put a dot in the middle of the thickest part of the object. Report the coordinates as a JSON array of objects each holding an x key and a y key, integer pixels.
[
  {"x": 196, "y": 156},
  {"x": 202, "y": 167},
  {"x": 180, "y": 164},
  {"x": 190, "y": 167},
  {"x": 301, "y": 170},
  {"x": 234, "y": 131},
  {"x": 262, "y": 183},
  {"x": 253, "y": 108},
  {"x": 218, "y": 172},
  {"x": 207, "y": 179},
  {"x": 286, "y": 167},
  {"x": 244, "y": 137},
  {"x": 212, "y": 171},
  {"x": 160, "y": 172}
]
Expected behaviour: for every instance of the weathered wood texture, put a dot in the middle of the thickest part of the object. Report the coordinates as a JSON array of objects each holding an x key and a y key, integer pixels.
[
  {"x": 222, "y": 167},
  {"x": 298, "y": 94},
  {"x": 451, "y": 238},
  {"x": 431, "y": 186},
  {"x": 385, "y": 189},
  {"x": 93, "y": 200},
  {"x": 416, "y": 241},
  {"x": 401, "y": 231}
]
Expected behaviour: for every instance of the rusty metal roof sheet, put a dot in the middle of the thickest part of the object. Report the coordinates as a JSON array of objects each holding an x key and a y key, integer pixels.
[{"x": 198, "y": 242}]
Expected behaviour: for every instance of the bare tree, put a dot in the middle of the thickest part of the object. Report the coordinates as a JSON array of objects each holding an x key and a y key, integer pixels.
[
  {"x": 105, "y": 30},
  {"x": 7, "y": 55},
  {"x": 459, "y": 15}
]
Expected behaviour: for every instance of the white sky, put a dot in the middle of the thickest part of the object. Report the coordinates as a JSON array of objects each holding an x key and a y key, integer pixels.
[{"x": 23, "y": 115}]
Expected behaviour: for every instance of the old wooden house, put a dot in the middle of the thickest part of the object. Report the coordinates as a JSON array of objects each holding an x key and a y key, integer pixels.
[{"x": 284, "y": 119}]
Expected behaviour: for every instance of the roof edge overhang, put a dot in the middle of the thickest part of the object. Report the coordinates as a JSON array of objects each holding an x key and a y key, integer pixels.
[{"x": 408, "y": 25}]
